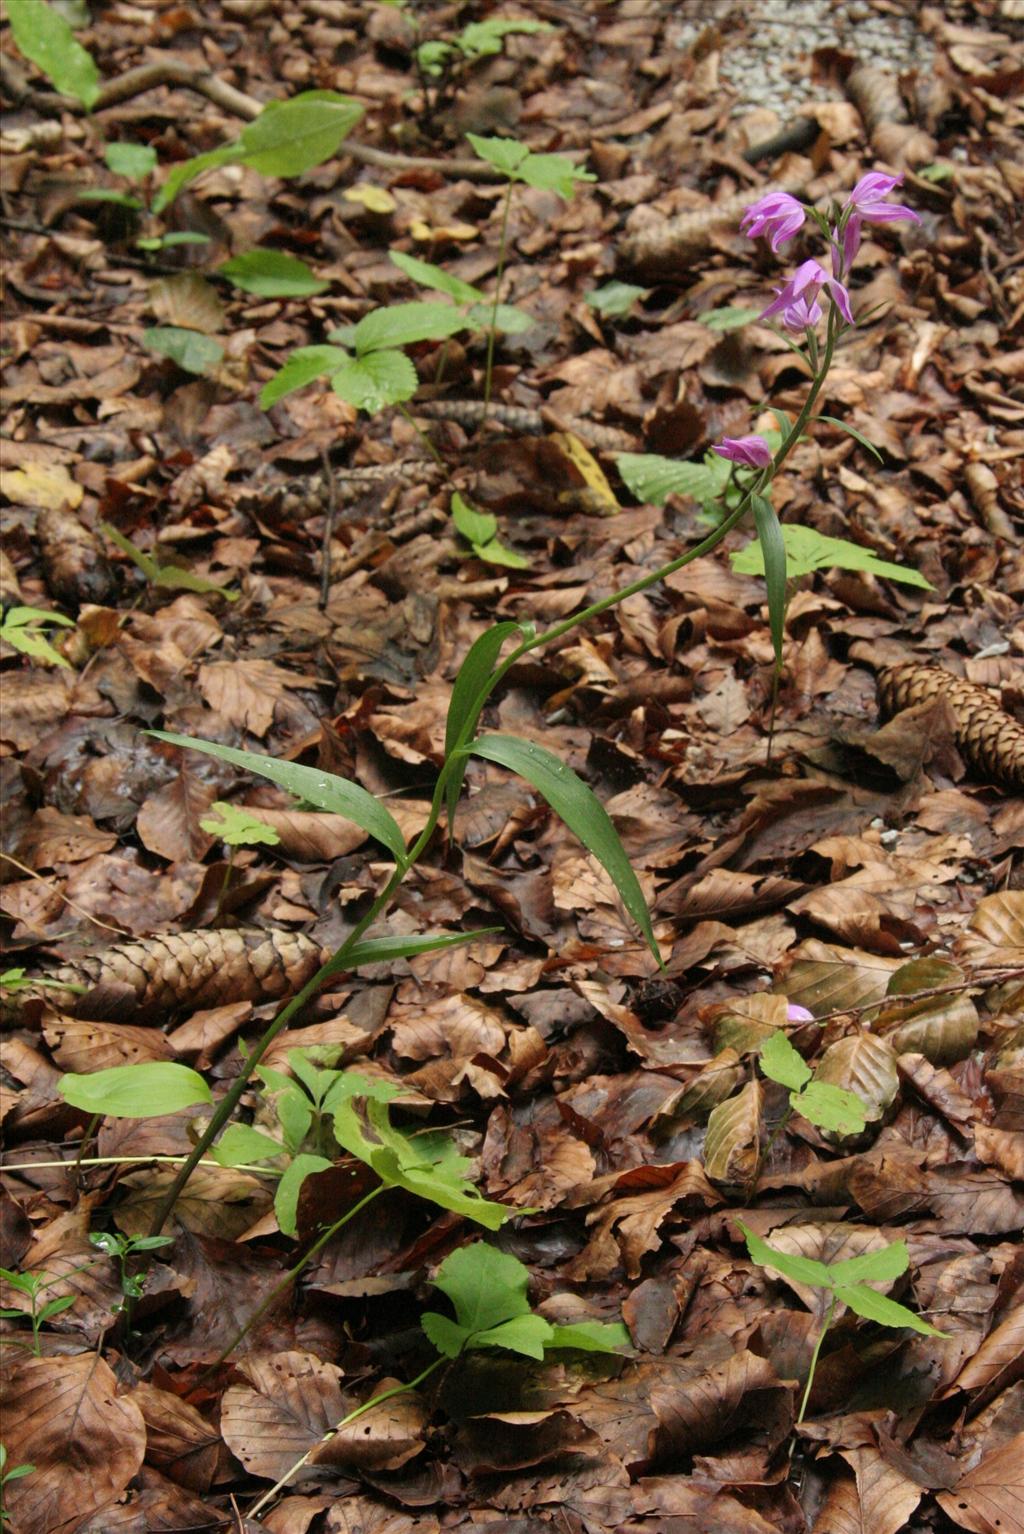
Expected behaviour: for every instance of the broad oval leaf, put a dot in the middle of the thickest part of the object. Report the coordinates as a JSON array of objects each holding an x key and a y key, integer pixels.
[
  {"x": 782, "y": 1063},
  {"x": 272, "y": 274},
  {"x": 878, "y": 1307},
  {"x": 136, "y": 1091},
  {"x": 372, "y": 382},
  {"x": 830, "y": 1108},
  {"x": 523, "y": 1334},
  {"x": 304, "y": 364},
  {"x": 402, "y": 324},
  {"x": 475, "y": 526},
  {"x": 865, "y": 1065},
  {"x": 323, "y": 789},
  {"x": 942, "y": 1028},
  {"x": 133, "y": 161},
  {"x": 582, "y": 812},
  {"x": 45, "y": 38},
  {"x": 286, "y": 1194},
  {"x": 733, "y": 1141},
  {"x": 241, "y": 1144}
]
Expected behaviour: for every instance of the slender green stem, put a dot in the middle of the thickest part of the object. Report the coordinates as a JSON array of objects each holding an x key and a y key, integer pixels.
[
  {"x": 32, "y": 1166},
  {"x": 431, "y": 449},
  {"x": 385, "y": 1395},
  {"x": 814, "y": 1359},
  {"x": 293, "y": 1273},
  {"x": 229, "y": 1102},
  {"x": 502, "y": 252}
]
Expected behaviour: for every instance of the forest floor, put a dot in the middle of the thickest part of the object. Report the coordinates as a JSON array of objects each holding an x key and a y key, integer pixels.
[{"x": 853, "y": 855}]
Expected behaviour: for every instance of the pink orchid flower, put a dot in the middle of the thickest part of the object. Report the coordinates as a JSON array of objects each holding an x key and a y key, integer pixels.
[
  {"x": 752, "y": 451},
  {"x": 776, "y": 214},
  {"x": 866, "y": 200},
  {"x": 797, "y": 1014},
  {"x": 797, "y": 301}
]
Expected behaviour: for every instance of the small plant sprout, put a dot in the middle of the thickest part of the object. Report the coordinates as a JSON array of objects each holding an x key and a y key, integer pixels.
[
  {"x": 170, "y": 577},
  {"x": 14, "y": 1474},
  {"x": 236, "y": 828},
  {"x": 480, "y": 531},
  {"x": 136, "y": 164},
  {"x": 122, "y": 1249},
  {"x": 548, "y": 172},
  {"x": 24, "y": 629},
  {"x": 477, "y": 307},
  {"x": 819, "y": 1102},
  {"x": 34, "y": 1286},
  {"x": 845, "y": 1283}
]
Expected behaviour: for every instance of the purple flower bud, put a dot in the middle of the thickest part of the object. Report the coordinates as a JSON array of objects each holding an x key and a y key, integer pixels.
[
  {"x": 866, "y": 200},
  {"x": 795, "y": 1014},
  {"x": 776, "y": 214},
  {"x": 752, "y": 451},
  {"x": 797, "y": 301}
]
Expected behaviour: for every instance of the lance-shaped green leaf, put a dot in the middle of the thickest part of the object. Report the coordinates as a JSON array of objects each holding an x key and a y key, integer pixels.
[
  {"x": 381, "y": 950},
  {"x": 808, "y": 550},
  {"x": 323, "y": 789},
  {"x": 140, "y": 1091},
  {"x": 287, "y": 138},
  {"x": 240, "y": 1145},
  {"x": 469, "y": 694},
  {"x": 430, "y": 276},
  {"x": 286, "y": 1194},
  {"x": 878, "y": 1307},
  {"x": 872, "y": 1267},
  {"x": 652, "y": 478},
  {"x": 773, "y": 552},
  {"x": 851, "y": 431},
  {"x": 582, "y": 812},
  {"x": 193, "y": 352},
  {"x": 802, "y": 1270},
  {"x": 45, "y": 38}
]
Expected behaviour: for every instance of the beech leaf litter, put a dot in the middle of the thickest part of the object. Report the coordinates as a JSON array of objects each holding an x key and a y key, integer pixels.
[{"x": 657, "y": 1162}]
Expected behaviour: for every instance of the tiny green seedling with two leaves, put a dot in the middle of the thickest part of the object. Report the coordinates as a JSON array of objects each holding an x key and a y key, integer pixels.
[
  {"x": 171, "y": 577},
  {"x": 14, "y": 1474},
  {"x": 235, "y": 827},
  {"x": 480, "y": 531},
  {"x": 819, "y": 1102},
  {"x": 846, "y": 1283}
]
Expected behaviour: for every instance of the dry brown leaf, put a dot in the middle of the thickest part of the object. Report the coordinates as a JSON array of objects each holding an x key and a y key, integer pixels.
[
  {"x": 246, "y": 692},
  {"x": 863, "y": 1064},
  {"x": 732, "y": 1148},
  {"x": 989, "y": 1499},
  {"x": 64, "y": 1416},
  {"x": 216, "y": 1201},
  {"x": 168, "y": 820}
]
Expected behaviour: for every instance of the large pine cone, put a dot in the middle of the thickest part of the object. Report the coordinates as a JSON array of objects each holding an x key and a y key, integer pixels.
[{"x": 990, "y": 741}]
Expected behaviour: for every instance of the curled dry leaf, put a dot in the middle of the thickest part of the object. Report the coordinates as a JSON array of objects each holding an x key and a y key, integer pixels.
[
  {"x": 942, "y": 1028},
  {"x": 310, "y": 836},
  {"x": 732, "y": 1146},
  {"x": 863, "y": 1064},
  {"x": 64, "y": 1416},
  {"x": 713, "y": 1084},
  {"x": 991, "y": 1495}
]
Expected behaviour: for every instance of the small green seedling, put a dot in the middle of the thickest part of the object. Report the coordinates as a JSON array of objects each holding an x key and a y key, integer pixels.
[
  {"x": 46, "y": 39},
  {"x": 478, "y": 40},
  {"x": 171, "y": 577},
  {"x": 236, "y": 827},
  {"x": 819, "y": 1102},
  {"x": 14, "y": 1474},
  {"x": 34, "y": 1286},
  {"x": 474, "y": 302},
  {"x": 545, "y": 172},
  {"x": 18, "y": 980},
  {"x": 136, "y": 164},
  {"x": 24, "y": 629},
  {"x": 487, "y": 1289},
  {"x": 480, "y": 530},
  {"x": 121, "y": 1249},
  {"x": 846, "y": 1283}
]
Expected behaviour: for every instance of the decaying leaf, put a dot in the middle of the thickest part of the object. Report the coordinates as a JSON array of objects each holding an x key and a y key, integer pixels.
[
  {"x": 990, "y": 740},
  {"x": 732, "y": 1146},
  {"x": 865, "y": 1065}
]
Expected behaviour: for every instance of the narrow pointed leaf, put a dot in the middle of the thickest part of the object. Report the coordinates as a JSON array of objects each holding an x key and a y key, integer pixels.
[
  {"x": 45, "y": 38},
  {"x": 304, "y": 364},
  {"x": 592, "y": 1336},
  {"x": 873, "y": 1267},
  {"x": 468, "y": 697},
  {"x": 802, "y": 1270},
  {"x": 851, "y": 431},
  {"x": 323, "y": 789},
  {"x": 582, "y": 812},
  {"x": 435, "y": 277},
  {"x": 773, "y": 549},
  {"x": 286, "y": 1195},
  {"x": 381, "y": 950},
  {"x": 877, "y": 1307},
  {"x": 523, "y": 1334}
]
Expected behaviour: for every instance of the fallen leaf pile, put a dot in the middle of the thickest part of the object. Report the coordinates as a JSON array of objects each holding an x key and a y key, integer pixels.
[{"x": 866, "y": 869}]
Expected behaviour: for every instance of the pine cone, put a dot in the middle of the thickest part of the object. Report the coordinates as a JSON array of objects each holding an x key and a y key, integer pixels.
[
  {"x": 990, "y": 741},
  {"x": 158, "y": 975}
]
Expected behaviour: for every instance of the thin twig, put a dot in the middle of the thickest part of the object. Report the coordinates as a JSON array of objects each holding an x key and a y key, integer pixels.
[{"x": 331, "y": 511}]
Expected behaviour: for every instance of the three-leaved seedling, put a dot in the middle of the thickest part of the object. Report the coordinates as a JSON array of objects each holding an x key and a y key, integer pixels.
[{"x": 846, "y": 1283}]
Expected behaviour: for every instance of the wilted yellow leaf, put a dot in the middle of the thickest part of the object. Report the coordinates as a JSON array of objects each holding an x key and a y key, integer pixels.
[
  {"x": 373, "y": 198},
  {"x": 47, "y": 485}
]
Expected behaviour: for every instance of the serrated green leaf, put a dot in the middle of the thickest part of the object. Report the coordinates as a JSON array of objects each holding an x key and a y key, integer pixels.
[
  {"x": 851, "y": 431},
  {"x": 481, "y": 39},
  {"x": 653, "y": 479},
  {"x": 372, "y": 382},
  {"x": 731, "y": 317},
  {"x": 773, "y": 555},
  {"x": 872, "y": 1267},
  {"x": 831, "y": 1107},
  {"x": 192, "y": 351},
  {"x": 447, "y": 1336},
  {"x": 45, "y": 38},
  {"x": 615, "y": 299},
  {"x": 272, "y": 274},
  {"x": 436, "y": 278},
  {"x": 430, "y": 57},
  {"x": 286, "y": 1194},
  {"x": 323, "y": 789},
  {"x": 505, "y": 154},
  {"x": 553, "y": 173},
  {"x": 133, "y": 161},
  {"x": 237, "y": 826},
  {"x": 878, "y": 1307},
  {"x": 782, "y": 1063},
  {"x": 403, "y": 324},
  {"x": 136, "y": 1091},
  {"x": 802, "y": 1270},
  {"x": 286, "y": 139},
  {"x": 592, "y": 1336},
  {"x": 485, "y": 1286},
  {"x": 808, "y": 550},
  {"x": 475, "y": 526},
  {"x": 523, "y": 1334},
  {"x": 582, "y": 812},
  {"x": 304, "y": 364}
]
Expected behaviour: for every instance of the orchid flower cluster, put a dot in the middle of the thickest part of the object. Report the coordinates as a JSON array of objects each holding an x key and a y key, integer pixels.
[{"x": 797, "y": 304}]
